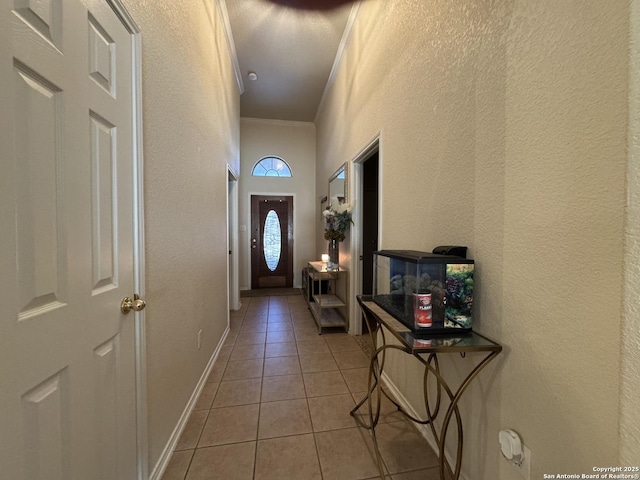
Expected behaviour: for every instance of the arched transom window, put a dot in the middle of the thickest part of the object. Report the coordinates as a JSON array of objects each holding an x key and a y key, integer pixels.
[{"x": 271, "y": 167}]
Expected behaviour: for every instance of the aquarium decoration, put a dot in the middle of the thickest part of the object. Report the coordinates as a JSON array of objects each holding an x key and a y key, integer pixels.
[{"x": 459, "y": 295}]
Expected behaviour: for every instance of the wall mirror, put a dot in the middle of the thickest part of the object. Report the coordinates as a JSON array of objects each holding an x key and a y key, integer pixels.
[{"x": 338, "y": 187}]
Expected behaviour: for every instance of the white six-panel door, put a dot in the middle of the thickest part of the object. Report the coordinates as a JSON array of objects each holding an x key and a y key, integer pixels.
[{"x": 67, "y": 392}]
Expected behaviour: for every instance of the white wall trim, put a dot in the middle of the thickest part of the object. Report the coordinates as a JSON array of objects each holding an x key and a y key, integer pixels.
[
  {"x": 165, "y": 456},
  {"x": 424, "y": 430},
  {"x": 355, "y": 267},
  {"x": 224, "y": 13},
  {"x": 124, "y": 16},
  {"x": 233, "y": 262},
  {"x": 140, "y": 269},
  {"x": 233, "y": 173},
  {"x": 142, "y": 441},
  {"x": 337, "y": 61}
]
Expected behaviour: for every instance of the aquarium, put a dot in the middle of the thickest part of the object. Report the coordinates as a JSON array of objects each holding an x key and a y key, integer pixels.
[{"x": 428, "y": 292}]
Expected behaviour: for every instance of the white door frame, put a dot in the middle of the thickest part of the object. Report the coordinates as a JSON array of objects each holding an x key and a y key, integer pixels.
[
  {"x": 233, "y": 264},
  {"x": 142, "y": 443},
  {"x": 355, "y": 279}
]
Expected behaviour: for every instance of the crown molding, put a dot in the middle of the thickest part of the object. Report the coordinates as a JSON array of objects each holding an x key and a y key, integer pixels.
[
  {"x": 337, "y": 61},
  {"x": 224, "y": 13}
]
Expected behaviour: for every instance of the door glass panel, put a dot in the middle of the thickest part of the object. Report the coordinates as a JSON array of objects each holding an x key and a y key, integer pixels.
[{"x": 272, "y": 240}]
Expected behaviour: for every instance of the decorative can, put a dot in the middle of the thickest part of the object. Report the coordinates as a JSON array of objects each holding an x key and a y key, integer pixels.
[{"x": 422, "y": 310}]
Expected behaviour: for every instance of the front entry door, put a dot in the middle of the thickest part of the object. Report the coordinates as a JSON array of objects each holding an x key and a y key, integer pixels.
[
  {"x": 67, "y": 352},
  {"x": 271, "y": 241}
]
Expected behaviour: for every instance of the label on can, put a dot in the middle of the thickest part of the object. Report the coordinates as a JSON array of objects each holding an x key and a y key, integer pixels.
[{"x": 422, "y": 309}]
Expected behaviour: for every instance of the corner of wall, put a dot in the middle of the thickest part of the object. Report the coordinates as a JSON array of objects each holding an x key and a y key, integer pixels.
[{"x": 630, "y": 355}]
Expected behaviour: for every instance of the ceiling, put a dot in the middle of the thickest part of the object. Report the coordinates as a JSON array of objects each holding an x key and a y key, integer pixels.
[{"x": 291, "y": 50}]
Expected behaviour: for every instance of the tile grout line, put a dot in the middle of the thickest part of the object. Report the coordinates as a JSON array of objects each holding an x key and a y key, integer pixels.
[
  {"x": 255, "y": 451},
  {"x": 243, "y": 325},
  {"x": 186, "y": 472}
]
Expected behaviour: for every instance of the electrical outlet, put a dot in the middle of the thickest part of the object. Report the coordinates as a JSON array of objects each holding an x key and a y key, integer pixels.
[
  {"x": 524, "y": 469},
  {"x": 515, "y": 452},
  {"x": 199, "y": 339}
]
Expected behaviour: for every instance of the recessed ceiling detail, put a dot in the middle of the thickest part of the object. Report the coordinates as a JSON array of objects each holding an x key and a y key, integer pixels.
[{"x": 293, "y": 49}]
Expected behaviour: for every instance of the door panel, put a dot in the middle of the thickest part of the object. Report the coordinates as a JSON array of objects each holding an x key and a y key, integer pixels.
[
  {"x": 271, "y": 249},
  {"x": 38, "y": 153},
  {"x": 66, "y": 204}
]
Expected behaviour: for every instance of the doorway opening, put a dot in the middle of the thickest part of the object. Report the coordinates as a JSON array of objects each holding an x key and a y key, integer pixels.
[
  {"x": 271, "y": 241},
  {"x": 369, "y": 220},
  {"x": 367, "y": 226},
  {"x": 369, "y": 223}
]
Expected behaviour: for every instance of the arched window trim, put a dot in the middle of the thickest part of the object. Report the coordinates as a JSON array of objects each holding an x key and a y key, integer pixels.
[{"x": 266, "y": 168}]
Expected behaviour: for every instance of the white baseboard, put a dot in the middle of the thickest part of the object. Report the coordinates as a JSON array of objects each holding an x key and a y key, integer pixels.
[
  {"x": 424, "y": 430},
  {"x": 165, "y": 457}
]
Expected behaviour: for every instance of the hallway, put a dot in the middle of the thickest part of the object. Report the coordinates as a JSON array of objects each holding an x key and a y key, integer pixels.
[{"x": 276, "y": 407}]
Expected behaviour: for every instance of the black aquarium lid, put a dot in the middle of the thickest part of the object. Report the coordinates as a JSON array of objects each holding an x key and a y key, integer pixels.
[{"x": 415, "y": 256}]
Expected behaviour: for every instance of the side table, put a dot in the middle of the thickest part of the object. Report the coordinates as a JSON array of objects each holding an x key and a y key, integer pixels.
[
  {"x": 426, "y": 350},
  {"x": 327, "y": 295}
]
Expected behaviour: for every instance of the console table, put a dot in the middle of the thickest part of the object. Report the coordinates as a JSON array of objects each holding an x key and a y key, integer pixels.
[
  {"x": 426, "y": 350},
  {"x": 326, "y": 292}
]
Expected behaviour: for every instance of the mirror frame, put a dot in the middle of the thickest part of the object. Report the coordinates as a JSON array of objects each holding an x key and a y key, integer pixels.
[
  {"x": 324, "y": 203},
  {"x": 343, "y": 168}
]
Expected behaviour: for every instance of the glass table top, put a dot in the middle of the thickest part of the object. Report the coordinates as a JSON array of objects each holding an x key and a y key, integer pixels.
[{"x": 460, "y": 342}]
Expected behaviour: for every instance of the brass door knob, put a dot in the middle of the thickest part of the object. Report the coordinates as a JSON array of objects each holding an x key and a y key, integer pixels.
[{"x": 136, "y": 304}]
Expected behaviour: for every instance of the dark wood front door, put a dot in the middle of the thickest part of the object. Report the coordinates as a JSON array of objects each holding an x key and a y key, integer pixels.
[{"x": 271, "y": 241}]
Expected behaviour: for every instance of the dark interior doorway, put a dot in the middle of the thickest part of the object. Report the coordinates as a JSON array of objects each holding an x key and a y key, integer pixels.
[{"x": 369, "y": 227}]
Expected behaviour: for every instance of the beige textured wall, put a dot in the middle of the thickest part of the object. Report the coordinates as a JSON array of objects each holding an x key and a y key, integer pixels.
[
  {"x": 630, "y": 375},
  {"x": 503, "y": 127},
  {"x": 295, "y": 142},
  {"x": 191, "y": 132}
]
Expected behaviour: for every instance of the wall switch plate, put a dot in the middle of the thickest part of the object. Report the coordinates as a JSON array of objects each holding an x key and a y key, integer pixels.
[{"x": 199, "y": 339}]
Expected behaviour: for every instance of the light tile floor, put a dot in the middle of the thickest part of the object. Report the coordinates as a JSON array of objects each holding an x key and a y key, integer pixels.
[{"x": 276, "y": 407}]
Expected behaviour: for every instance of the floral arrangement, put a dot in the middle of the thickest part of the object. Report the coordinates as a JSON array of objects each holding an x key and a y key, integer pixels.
[{"x": 337, "y": 221}]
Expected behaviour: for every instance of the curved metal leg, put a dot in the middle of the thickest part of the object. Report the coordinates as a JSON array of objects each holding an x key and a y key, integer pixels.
[
  {"x": 373, "y": 419},
  {"x": 431, "y": 368},
  {"x": 375, "y": 370},
  {"x": 452, "y": 410}
]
